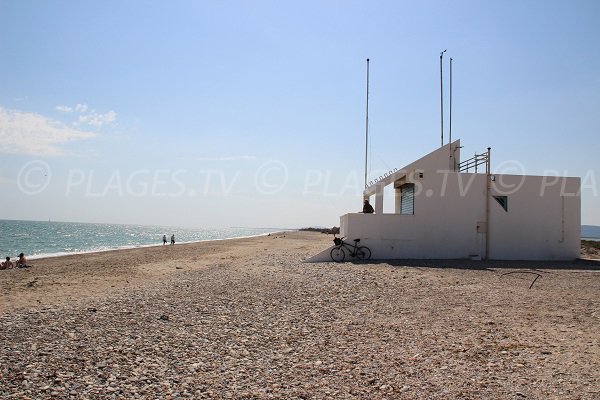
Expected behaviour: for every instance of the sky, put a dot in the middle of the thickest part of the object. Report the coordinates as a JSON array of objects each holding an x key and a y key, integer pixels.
[{"x": 252, "y": 113}]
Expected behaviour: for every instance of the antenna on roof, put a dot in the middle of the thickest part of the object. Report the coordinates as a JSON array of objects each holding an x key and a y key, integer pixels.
[
  {"x": 367, "y": 125},
  {"x": 442, "y": 96},
  {"x": 450, "y": 130}
]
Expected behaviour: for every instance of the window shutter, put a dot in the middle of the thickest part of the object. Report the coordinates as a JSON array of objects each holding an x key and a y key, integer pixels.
[{"x": 407, "y": 199}]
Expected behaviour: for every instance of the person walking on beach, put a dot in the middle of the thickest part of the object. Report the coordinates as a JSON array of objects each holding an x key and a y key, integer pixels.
[
  {"x": 172, "y": 239},
  {"x": 164, "y": 239},
  {"x": 6, "y": 264}
]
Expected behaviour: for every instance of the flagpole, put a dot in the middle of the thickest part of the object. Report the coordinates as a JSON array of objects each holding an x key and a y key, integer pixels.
[
  {"x": 442, "y": 96},
  {"x": 450, "y": 130},
  {"x": 367, "y": 126}
]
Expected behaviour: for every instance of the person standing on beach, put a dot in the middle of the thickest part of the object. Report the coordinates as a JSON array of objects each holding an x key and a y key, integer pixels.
[
  {"x": 164, "y": 239},
  {"x": 172, "y": 239}
]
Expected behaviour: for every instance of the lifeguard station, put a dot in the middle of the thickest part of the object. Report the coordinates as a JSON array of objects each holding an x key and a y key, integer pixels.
[{"x": 446, "y": 208}]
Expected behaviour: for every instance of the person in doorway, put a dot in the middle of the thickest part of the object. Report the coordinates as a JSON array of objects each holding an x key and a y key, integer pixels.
[
  {"x": 172, "y": 239},
  {"x": 164, "y": 239},
  {"x": 367, "y": 208}
]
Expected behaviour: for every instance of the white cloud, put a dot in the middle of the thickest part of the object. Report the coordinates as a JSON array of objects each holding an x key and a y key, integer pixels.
[
  {"x": 80, "y": 108},
  {"x": 30, "y": 133},
  {"x": 89, "y": 116},
  {"x": 98, "y": 120},
  {"x": 227, "y": 158},
  {"x": 65, "y": 109}
]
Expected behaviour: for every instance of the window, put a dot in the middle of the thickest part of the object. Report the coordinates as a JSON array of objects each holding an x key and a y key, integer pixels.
[
  {"x": 503, "y": 201},
  {"x": 407, "y": 199}
]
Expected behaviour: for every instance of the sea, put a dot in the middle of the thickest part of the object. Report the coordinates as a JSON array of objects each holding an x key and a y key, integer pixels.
[{"x": 48, "y": 238}]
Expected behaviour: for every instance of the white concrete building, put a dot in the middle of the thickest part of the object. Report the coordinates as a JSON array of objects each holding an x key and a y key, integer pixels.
[{"x": 448, "y": 209}]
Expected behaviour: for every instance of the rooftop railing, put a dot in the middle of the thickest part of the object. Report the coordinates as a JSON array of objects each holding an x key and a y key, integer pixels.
[{"x": 476, "y": 161}]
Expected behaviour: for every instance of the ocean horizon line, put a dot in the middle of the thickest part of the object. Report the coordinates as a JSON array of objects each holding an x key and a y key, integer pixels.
[{"x": 148, "y": 225}]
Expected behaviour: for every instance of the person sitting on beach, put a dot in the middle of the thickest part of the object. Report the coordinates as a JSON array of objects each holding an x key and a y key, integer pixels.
[
  {"x": 22, "y": 263},
  {"x": 367, "y": 208},
  {"x": 6, "y": 264}
]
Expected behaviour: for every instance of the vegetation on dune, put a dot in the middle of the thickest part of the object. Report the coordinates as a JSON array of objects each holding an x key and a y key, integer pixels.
[
  {"x": 590, "y": 248},
  {"x": 333, "y": 231}
]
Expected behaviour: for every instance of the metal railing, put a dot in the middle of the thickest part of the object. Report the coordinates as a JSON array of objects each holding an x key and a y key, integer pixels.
[{"x": 476, "y": 161}]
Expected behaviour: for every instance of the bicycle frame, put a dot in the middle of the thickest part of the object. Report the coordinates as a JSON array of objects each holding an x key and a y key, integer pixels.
[
  {"x": 338, "y": 253},
  {"x": 351, "y": 249}
]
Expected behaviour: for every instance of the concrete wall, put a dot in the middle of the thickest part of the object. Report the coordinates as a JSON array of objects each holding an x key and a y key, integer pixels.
[
  {"x": 437, "y": 160},
  {"x": 443, "y": 226},
  {"x": 542, "y": 221}
]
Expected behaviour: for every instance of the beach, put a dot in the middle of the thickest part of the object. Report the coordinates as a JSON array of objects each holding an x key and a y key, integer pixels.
[{"x": 248, "y": 319}]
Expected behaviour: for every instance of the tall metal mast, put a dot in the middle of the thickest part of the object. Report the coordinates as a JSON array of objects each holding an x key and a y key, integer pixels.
[
  {"x": 367, "y": 126},
  {"x": 450, "y": 130},
  {"x": 442, "y": 96}
]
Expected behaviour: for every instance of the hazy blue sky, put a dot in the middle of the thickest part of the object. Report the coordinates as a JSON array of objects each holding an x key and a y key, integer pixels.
[{"x": 251, "y": 113}]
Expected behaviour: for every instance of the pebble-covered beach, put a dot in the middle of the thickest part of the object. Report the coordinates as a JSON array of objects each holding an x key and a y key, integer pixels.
[{"x": 247, "y": 319}]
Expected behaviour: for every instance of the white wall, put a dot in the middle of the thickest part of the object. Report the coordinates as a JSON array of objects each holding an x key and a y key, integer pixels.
[
  {"x": 543, "y": 220},
  {"x": 449, "y": 206},
  {"x": 443, "y": 226},
  {"x": 438, "y": 159}
]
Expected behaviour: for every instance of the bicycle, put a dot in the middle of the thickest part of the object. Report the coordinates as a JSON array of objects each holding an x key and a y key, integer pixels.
[{"x": 338, "y": 254}]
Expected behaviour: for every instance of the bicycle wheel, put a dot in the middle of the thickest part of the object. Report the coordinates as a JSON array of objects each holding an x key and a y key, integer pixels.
[
  {"x": 338, "y": 254},
  {"x": 363, "y": 253}
]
